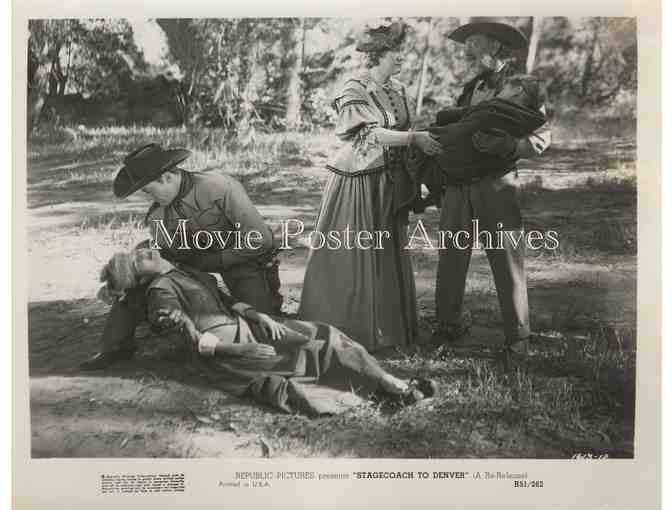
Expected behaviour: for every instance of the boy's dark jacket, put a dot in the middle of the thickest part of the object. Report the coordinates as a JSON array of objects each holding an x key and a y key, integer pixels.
[{"x": 461, "y": 162}]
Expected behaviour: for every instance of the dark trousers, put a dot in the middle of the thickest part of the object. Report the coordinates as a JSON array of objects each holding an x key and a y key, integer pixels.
[
  {"x": 492, "y": 200},
  {"x": 246, "y": 282}
]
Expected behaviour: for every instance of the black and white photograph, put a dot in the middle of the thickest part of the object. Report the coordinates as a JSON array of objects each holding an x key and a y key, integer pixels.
[{"x": 332, "y": 238}]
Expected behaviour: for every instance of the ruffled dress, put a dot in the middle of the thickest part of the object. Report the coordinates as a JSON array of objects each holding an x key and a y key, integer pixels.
[{"x": 367, "y": 293}]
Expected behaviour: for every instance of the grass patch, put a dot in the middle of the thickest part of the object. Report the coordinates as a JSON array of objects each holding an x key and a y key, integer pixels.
[
  {"x": 572, "y": 393},
  {"x": 482, "y": 411}
]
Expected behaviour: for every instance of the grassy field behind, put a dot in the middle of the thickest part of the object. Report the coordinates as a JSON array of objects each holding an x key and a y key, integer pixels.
[{"x": 573, "y": 394}]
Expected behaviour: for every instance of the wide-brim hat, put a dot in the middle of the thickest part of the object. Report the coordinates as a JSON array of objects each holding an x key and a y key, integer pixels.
[
  {"x": 509, "y": 36},
  {"x": 144, "y": 165}
]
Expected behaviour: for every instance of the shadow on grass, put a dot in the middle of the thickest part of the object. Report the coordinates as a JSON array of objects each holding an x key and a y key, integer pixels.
[{"x": 482, "y": 411}]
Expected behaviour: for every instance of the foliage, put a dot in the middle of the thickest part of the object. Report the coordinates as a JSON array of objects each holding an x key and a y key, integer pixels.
[
  {"x": 86, "y": 56},
  {"x": 228, "y": 66},
  {"x": 588, "y": 61},
  {"x": 574, "y": 392},
  {"x": 247, "y": 73},
  {"x": 105, "y": 58}
]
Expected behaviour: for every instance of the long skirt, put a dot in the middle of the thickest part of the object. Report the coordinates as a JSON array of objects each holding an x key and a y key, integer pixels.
[{"x": 367, "y": 293}]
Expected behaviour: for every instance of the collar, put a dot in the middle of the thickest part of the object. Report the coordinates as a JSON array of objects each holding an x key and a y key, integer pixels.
[
  {"x": 501, "y": 64},
  {"x": 493, "y": 77},
  {"x": 371, "y": 85},
  {"x": 499, "y": 69},
  {"x": 186, "y": 183},
  {"x": 170, "y": 274}
]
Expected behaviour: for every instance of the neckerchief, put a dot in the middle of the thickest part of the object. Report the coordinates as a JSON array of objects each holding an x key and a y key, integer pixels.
[
  {"x": 186, "y": 183},
  {"x": 492, "y": 80}
]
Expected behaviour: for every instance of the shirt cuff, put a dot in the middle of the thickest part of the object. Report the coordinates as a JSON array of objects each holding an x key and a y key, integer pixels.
[
  {"x": 207, "y": 343},
  {"x": 240, "y": 308},
  {"x": 522, "y": 149}
]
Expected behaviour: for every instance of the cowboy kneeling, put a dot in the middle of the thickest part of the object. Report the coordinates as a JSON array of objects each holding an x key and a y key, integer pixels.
[{"x": 208, "y": 202}]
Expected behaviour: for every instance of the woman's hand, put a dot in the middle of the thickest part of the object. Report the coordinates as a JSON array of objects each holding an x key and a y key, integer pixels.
[
  {"x": 273, "y": 329},
  {"x": 427, "y": 143},
  {"x": 257, "y": 351}
]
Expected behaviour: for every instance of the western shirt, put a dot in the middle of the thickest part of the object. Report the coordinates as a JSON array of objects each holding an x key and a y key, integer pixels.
[{"x": 214, "y": 203}]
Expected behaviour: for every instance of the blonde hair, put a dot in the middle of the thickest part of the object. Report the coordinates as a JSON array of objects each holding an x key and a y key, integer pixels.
[{"x": 119, "y": 273}]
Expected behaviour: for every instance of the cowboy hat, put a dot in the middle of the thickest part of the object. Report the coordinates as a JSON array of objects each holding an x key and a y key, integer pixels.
[
  {"x": 145, "y": 164},
  {"x": 509, "y": 36}
]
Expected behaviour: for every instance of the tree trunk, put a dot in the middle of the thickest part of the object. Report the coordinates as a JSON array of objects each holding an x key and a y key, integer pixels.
[
  {"x": 57, "y": 79},
  {"x": 52, "y": 82},
  {"x": 537, "y": 25},
  {"x": 66, "y": 75},
  {"x": 188, "y": 52},
  {"x": 423, "y": 72},
  {"x": 62, "y": 82},
  {"x": 248, "y": 80},
  {"x": 181, "y": 102},
  {"x": 37, "y": 88},
  {"x": 587, "y": 74},
  {"x": 293, "y": 115}
]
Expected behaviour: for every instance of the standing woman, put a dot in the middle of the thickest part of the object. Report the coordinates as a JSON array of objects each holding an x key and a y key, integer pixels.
[{"x": 369, "y": 293}]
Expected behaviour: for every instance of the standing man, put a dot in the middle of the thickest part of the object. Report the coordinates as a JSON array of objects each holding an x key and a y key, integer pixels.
[
  {"x": 493, "y": 200},
  {"x": 208, "y": 202}
]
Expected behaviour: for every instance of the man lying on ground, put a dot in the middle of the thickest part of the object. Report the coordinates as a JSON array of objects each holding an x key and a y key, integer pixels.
[{"x": 231, "y": 340}]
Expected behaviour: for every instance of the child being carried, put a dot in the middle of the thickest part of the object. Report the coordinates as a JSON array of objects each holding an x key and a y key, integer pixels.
[{"x": 515, "y": 110}]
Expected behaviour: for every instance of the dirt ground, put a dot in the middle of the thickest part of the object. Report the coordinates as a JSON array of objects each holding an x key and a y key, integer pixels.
[{"x": 157, "y": 406}]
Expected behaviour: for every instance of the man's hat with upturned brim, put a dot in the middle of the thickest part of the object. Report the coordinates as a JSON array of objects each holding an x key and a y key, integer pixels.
[
  {"x": 144, "y": 165},
  {"x": 509, "y": 36}
]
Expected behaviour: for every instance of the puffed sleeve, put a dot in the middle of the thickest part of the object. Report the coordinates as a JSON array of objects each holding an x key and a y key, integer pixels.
[{"x": 355, "y": 112}]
